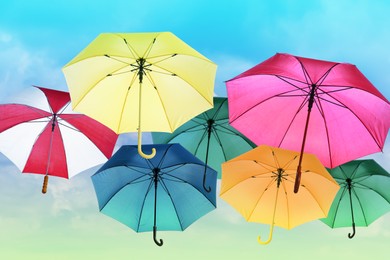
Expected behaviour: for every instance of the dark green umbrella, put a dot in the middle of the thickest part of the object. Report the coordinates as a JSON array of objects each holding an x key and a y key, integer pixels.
[
  {"x": 209, "y": 136},
  {"x": 364, "y": 194}
]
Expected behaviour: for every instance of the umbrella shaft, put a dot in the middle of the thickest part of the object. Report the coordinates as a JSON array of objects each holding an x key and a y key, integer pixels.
[
  {"x": 155, "y": 177},
  {"x": 349, "y": 183},
  {"x": 299, "y": 172}
]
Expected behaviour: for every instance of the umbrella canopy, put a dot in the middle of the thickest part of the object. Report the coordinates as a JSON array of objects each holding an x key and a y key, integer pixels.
[
  {"x": 259, "y": 185},
  {"x": 209, "y": 131},
  {"x": 140, "y": 82},
  {"x": 364, "y": 195},
  {"x": 273, "y": 102},
  {"x": 45, "y": 136},
  {"x": 163, "y": 193}
]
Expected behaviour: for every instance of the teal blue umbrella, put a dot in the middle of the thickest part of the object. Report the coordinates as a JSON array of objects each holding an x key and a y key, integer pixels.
[
  {"x": 209, "y": 136},
  {"x": 162, "y": 193},
  {"x": 364, "y": 195}
]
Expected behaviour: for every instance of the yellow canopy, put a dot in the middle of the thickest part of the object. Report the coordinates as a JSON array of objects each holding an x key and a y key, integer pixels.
[
  {"x": 259, "y": 184},
  {"x": 134, "y": 81}
]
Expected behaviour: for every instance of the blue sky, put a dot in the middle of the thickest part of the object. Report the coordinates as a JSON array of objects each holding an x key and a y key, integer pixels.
[{"x": 37, "y": 38}]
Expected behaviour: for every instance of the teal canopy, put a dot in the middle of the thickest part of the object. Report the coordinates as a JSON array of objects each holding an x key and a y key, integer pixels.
[{"x": 162, "y": 193}]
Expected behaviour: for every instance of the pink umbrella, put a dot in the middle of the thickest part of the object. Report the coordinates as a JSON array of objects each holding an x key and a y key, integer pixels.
[
  {"x": 47, "y": 137},
  {"x": 273, "y": 102}
]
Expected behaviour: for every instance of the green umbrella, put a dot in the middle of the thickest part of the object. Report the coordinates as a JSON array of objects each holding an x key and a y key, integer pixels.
[
  {"x": 209, "y": 132},
  {"x": 364, "y": 195}
]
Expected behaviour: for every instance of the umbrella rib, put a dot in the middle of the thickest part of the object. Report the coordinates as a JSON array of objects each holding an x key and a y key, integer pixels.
[
  {"x": 287, "y": 202},
  {"x": 320, "y": 206},
  {"x": 150, "y": 78},
  {"x": 218, "y": 139},
  {"x": 131, "y": 49},
  {"x": 356, "y": 169},
  {"x": 162, "y": 156},
  {"x": 128, "y": 183},
  {"x": 360, "y": 206},
  {"x": 343, "y": 172},
  {"x": 293, "y": 118},
  {"x": 41, "y": 112},
  {"x": 288, "y": 79},
  {"x": 228, "y": 130},
  {"x": 63, "y": 108},
  {"x": 346, "y": 107},
  {"x": 260, "y": 197},
  {"x": 185, "y": 182},
  {"x": 188, "y": 130},
  {"x": 318, "y": 104},
  {"x": 320, "y": 96},
  {"x": 325, "y": 75},
  {"x": 175, "y": 75},
  {"x": 173, "y": 168},
  {"x": 201, "y": 140},
  {"x": 71, "y": 127},
  {"x": 338, "y": 205},
  {"x": 270, "y": 170},
  {"x": 289, "y": 162},
  {"x": 362, "y": 186},
  {"x": 264, "y": 100},
  {"x": 218, "y": 109},
  {"x": 125, "y": 101},
  {"x": 143, "y": 203},
  {"x": 265, "y": 166},
  {"x": 305, "y": 73},
  {"x": 172, "y": 201},
  {"x": 75, "y": 104}
]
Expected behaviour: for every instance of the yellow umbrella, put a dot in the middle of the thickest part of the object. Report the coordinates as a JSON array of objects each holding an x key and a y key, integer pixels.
[
  {"x": 259, "y": 184},
  {"x": 140, "y": 81}
]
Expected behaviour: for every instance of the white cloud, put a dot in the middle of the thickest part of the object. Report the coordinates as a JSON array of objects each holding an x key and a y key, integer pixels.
[{"x": 21, "y": 67}]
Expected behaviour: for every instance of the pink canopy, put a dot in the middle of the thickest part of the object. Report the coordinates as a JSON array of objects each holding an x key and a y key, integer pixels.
[{"x": 349, "y": 117}]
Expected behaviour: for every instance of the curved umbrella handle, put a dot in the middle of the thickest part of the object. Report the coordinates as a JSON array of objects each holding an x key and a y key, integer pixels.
[
  {"x": 159, "y": 243},
  {"x": 146, "y": 156},
  {"x": 45, "y": 182},
  {"x": 353, "y": 231},
  {"x": 271, "y": 231},
  {"x": 204, "y": 182}
]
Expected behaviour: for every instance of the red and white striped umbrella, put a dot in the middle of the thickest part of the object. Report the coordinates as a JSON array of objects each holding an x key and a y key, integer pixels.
[{"x": 44, "y": 136}]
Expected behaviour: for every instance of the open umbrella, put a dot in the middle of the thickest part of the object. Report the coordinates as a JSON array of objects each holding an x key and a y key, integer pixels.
[
  {"x": 259, "y": 185},
  {"x": 209, "y": 131},
  {"x": 364, "y": 195},
  {"x": 140, "y": 82},
  {"x": 162, "y": 193},
  {"x": 45, "y": 137},
  {"x": 273, "y": 102}
]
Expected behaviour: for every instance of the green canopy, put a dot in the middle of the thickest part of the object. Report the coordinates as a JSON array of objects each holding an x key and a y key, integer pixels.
[
  {"x": 364, "y": 195},
  {"x": 209, "y": 136}
]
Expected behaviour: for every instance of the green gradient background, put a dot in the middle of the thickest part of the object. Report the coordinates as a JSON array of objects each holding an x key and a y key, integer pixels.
[{"x": 37, "y": 38}]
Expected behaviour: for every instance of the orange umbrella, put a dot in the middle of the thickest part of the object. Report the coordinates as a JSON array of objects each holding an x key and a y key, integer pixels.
[{"x": 259, "y": 184}]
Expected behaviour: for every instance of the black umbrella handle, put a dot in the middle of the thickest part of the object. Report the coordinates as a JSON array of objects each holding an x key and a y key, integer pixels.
[
  {"x": 349, "y": 186},
  {"x": 204, "y": 181},
  {"x": 159, "y": 243},
  {"x": 155, "y": 179},
  {"x": 353, "y": 231}
]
